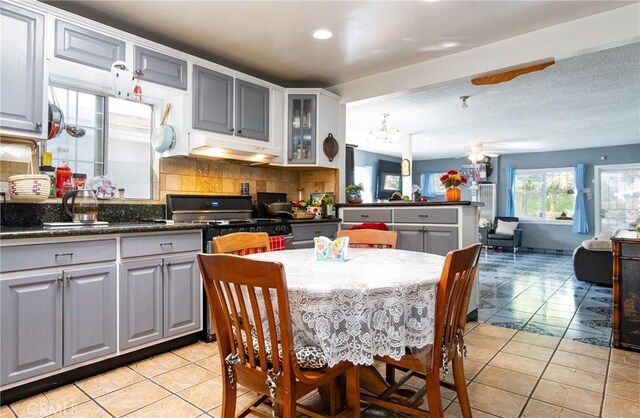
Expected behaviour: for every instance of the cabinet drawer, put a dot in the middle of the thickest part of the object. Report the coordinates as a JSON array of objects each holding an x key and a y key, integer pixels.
[
  {"x": 160, "y": 244},
  {"x": 630, "y": 250},
  {"x": 426, "y": 215},
  {"x": 25, "y": 257},
  {"x": 308, "y": 232},
  {"x": 366, "y": 215}
]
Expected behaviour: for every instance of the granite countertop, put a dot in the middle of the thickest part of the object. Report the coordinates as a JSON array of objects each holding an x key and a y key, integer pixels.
[
  {"x": 312, "y": 221},
  {"x": 114, "y": 228},
  {"x": 400, "y": 203}
]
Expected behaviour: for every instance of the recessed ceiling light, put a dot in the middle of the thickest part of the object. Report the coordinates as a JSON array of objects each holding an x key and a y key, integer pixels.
[{"x": 322, "y": 34}]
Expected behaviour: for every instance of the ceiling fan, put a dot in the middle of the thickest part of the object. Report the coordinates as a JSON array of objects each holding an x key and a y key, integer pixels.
[{"x": 479, "y": 154}]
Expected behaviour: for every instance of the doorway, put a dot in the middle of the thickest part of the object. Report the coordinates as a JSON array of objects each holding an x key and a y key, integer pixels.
[{"x": 617, "y": 195}]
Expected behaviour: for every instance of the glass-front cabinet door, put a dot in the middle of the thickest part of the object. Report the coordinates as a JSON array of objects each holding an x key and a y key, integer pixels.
[{"x": 302, "y": 129}]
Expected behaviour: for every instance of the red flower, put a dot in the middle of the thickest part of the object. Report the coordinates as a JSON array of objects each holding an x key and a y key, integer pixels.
[
  {"x": 452, "y": 172},
  {"x": 444, "y": 177}
]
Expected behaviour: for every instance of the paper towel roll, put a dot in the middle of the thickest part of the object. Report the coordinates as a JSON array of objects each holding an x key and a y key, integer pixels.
[{"x": 15, "y": 152}]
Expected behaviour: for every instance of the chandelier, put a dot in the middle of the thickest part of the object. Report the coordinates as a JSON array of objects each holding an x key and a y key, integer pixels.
[{"x": 384, "y": 132}]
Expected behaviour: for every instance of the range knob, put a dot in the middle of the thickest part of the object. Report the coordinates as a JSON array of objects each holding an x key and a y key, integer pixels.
[
  {"x": 224, "y": 232},
  {"x": 278, "y": 228},
  {"x": 258, "y": 229},
  {"x": 252, "y": 229}
]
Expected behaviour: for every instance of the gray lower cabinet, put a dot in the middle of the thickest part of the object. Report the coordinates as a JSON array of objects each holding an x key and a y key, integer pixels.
[
  {"x": 252, "y": 111},
  {"x": 181, "y": 295},
  {"x": 22, "y": 63},
  {"x": 55, "y": 319},
  {"x": 429, "y": 239},
  {"x": 303, "y": 234},
  {"x": 212, "y": 100},
  {"x": 159, "y": 298},
  {"x": 89, "y": 313},
  {"x": 31, "y": 326},
  {"x": 140, "y": 302}
]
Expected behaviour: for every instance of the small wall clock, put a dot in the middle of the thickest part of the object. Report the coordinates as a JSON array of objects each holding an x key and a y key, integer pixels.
[{"x": 405, "y": 168}]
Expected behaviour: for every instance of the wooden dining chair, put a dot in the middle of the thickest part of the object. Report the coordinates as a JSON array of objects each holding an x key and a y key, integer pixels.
[
  {"x": 239, "y": 290},
  {"x": 241, "y": 243},
  {"x": 452, "y": 304},
  {"x": 366, "y": 238}
]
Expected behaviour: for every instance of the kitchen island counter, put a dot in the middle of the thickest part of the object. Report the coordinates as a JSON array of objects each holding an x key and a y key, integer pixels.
[
  {"x": 401, "y": 203},
  {"x": 114, "y": 228}
]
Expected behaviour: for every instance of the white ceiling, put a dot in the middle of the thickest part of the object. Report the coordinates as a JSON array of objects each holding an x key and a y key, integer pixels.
[
  {"x": 585, "y": 101},
  {"x": 272, "y": 39}
]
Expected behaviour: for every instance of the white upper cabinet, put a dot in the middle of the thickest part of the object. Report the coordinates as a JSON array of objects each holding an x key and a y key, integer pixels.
[{"x": 312, "y": 120}]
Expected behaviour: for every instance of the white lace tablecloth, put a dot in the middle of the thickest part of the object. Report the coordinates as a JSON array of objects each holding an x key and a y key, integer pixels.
[{"x": 376, "y": 303}]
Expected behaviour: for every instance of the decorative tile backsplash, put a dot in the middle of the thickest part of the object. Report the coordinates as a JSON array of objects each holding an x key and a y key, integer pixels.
[{"x": 201, "y": 176}]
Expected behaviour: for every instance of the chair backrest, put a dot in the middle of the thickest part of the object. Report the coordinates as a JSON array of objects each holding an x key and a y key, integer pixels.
[
  {"x": 241, "y": 293},
  {"x": 454, "y": 292},
  {"x": 241, "y": 243},
  {"x": 365, "y": 238}
]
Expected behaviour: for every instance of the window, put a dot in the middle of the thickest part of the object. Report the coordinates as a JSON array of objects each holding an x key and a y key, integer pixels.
[
  {"x": 364, "y": 175},
  {"x": 117, "y": 141},
  {"x": 545, "y": 194}
]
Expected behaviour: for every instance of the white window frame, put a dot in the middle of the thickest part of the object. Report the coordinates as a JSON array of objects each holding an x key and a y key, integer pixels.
[
  {"x": 596, "y": 189},
  {"x": 537, "y": 220}
]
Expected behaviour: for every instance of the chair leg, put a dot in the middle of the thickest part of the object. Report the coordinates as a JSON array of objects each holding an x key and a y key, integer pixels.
[
  {"x": 433, "y": 394},
  {"x": 352, "y": 389},
  {"x": 461, "y": 386},
  {"x": 390, "y": 374},
  {"x": 288, "y": 409},
  {"x": 228, "y": 399}
]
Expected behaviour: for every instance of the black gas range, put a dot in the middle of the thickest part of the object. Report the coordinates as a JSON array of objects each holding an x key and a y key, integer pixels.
[{"x": 222, "y": 215}]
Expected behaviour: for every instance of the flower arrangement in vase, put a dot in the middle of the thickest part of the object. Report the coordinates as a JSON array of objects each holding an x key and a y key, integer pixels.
[
  {"x": 353, "y": 193},
  {"x": 452, "y": 180}
]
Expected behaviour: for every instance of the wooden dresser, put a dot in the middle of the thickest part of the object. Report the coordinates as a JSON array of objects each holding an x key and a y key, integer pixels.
[{"x": 626, "y": 289}]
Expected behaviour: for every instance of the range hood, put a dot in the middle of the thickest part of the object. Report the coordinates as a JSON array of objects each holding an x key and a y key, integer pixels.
[
  {"x": 217, "y": 148},
  {"x": 217, "y": 153}
]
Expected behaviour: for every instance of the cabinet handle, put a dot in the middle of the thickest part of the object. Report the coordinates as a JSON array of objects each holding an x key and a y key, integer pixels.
[
  {"x": 64, "y": 255},
  {"x": 168, "y": 264},
  {"x": 59, "y": 279},
  {"x": 231, "y": 130},
  {"x": 364, "y": 216},
  {"x": 69, "y": 277},
  {"x": 38, "y": 125},
  {"x": 423, "y": 216},
  {"x": 239, "y": 131},
  {"x": 162, "y": 244},
  {"x": 317, "y": 232}
]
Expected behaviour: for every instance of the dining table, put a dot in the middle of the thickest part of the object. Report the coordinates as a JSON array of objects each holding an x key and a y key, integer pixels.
[{"x": 376, "y": 302}]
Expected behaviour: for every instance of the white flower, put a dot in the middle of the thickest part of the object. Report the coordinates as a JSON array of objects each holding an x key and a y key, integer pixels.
[{"x": 415, "y": 188}]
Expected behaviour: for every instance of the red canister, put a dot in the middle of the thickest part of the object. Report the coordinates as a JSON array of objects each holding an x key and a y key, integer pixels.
[{"x": 63, "y": 180}]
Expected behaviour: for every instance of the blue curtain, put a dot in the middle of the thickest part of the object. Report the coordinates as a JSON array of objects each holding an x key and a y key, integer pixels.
[
  {"x": 580, "y": 223},
  {"x": 510, "y": 180},
  {"x": 426, "y": 184}
]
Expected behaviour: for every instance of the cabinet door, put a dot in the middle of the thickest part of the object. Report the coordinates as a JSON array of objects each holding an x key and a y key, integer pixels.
[
  {"x": 31, "y": 326},
  {"x": 21, "y": 60},
  {"x": 440, "y": 240},
  {"x": 182, "y": 302},
  {"x": 252, "y": 111},
  {"x": 301, "y": 129},
  {"x": 84, "y": 46},
  {"x": 410, "y": 237},
  {"x": 160, "y": 68},
  {"x": 140, "y": 302},
  {"x": 89, "y": 313},
  {"x": 212, "y": 101}
]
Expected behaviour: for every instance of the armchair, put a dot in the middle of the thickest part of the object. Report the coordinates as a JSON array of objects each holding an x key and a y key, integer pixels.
[
  {"x": 491, "y": 238},
  {"x": 593, "y": 260}
]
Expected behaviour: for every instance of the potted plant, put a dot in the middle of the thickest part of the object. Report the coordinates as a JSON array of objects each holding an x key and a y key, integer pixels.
[
  {"x": 452, "y": 180},
  {"x": 353, "y": 193}
]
